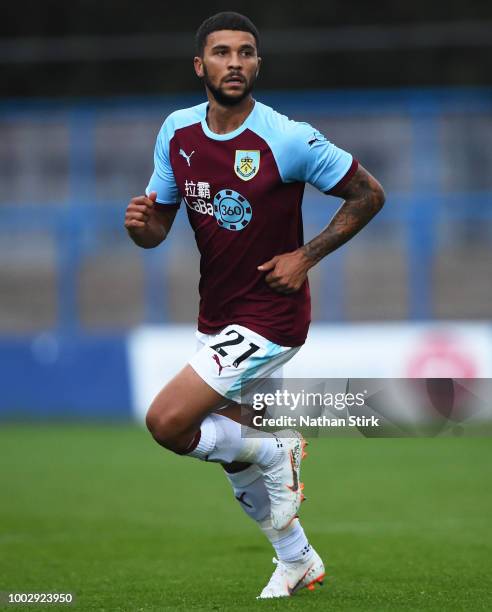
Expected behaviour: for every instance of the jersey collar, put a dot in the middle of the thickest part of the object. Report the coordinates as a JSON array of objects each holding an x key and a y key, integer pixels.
[{"x": 229, "y": 135}]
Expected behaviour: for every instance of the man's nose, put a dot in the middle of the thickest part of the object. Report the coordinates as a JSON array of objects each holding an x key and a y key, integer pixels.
[{"x": 235, "y": 62}]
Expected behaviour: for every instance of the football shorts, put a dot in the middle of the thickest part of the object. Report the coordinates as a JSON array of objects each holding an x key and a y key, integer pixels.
[{"x": 231, "y": 361}]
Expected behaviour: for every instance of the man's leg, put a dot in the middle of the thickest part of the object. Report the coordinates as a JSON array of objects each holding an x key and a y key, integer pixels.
[
  {"x": 174, "y": 420},
  {"x": 246, "y": 479},
  {"x": 298, "y": 565},
  {"x": 289, "y": 543},
  {"x": 179, "y": 419}
]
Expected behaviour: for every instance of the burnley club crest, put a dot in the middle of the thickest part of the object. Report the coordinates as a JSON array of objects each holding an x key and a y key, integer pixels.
[{"x": 247, "y": 164}]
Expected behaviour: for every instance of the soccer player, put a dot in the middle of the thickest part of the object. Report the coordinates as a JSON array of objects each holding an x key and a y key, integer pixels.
[{"x": 240, "y": 168}]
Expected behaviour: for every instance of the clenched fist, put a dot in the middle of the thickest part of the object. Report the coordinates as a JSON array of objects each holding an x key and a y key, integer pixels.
[
  {"x": 139, "y": 211},
  {"x": 149, "y": 223}
]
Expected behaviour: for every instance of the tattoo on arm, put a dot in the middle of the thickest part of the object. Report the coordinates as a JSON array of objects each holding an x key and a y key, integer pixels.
[{"x": 364, "y": 198}]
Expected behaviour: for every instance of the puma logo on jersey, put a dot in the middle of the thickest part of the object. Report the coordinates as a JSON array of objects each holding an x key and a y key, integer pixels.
[
  {"x": 187, "y": 157},
  {"x": 316, "y": 137}
]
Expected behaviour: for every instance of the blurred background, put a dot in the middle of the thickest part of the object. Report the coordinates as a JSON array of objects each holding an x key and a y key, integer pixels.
[{"x": 87, "y": 318}]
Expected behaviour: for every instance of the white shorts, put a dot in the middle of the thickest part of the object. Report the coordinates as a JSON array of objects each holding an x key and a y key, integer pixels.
[{"x": 233, "y": 359}]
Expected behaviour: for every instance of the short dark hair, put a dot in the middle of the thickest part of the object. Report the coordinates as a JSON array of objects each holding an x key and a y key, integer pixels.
[{"x": 227, "y": 20}]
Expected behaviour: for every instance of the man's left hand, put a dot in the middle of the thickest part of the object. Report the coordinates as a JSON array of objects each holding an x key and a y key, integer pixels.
[{"x": 287, "y": 272}]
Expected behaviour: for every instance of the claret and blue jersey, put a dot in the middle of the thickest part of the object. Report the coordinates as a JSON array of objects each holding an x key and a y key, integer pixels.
[{"x": 243, "y": 194}]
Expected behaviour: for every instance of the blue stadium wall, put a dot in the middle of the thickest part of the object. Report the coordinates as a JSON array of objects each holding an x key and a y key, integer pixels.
[{"x": 62, "y": 377}]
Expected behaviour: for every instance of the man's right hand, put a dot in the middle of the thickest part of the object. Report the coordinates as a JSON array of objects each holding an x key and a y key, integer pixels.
[
  {"x": 139, "y": 211},
  {"x": 148, "y": 223}
]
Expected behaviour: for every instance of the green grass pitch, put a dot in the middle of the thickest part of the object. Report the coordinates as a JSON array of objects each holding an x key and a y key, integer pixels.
[{"x": 102, "y": 511}]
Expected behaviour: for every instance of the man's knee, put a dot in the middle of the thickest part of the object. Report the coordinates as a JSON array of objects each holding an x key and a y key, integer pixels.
[{"x": 167, "y": 427}]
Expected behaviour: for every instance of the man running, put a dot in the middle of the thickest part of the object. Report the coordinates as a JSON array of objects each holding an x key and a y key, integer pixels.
[{"x": 240, "y": 168}]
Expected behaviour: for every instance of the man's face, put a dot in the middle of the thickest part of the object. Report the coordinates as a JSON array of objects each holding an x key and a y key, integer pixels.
[{"x": 229, "y": 65}]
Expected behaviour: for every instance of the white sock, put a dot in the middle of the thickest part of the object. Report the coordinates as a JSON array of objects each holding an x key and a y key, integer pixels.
[
  {"x": 291, "y": 543},
  {"x": 224, "y": 440}
]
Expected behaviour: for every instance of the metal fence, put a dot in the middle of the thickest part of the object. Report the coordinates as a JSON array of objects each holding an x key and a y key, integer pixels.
[{"x": 67, "y": 171}]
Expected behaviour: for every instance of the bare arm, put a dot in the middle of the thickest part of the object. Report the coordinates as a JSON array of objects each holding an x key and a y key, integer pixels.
[
  {"x": 364, "y": 198},
  {"x": 148, "y": 224}
]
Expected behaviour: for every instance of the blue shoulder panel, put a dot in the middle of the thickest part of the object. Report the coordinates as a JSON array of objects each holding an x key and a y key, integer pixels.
[
  {"x": 162, "y": 180},
  {"x": 302, "y": 153}
]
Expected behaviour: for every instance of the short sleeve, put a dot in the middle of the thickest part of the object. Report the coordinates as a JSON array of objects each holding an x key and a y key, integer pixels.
[
  {"x": 317, "y": 160},
  {"x": 162, "y": 180}
]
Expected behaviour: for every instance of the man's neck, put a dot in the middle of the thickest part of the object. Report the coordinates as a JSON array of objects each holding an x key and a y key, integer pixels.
[{"x": 225, "y": 119}]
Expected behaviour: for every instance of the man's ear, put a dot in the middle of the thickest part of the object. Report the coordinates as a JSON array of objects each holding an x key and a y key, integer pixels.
[
  {"x": 198, "y": 64},
  {"x": 258, "y": 68}
]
